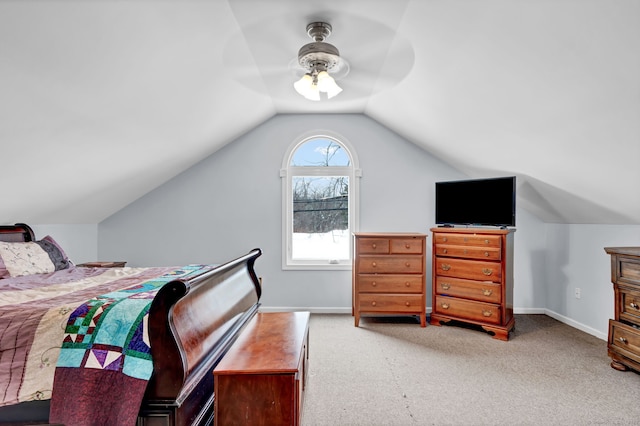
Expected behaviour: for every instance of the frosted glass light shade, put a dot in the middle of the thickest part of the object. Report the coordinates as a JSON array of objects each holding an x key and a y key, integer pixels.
[
  {"x": 327, "y": 84},
  {"x": 306, "y": 88}
]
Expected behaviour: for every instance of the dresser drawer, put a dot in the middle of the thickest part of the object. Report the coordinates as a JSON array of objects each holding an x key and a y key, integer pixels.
[
  {"x": 469, "y": 269},
  {"x": 624, "y": 340},
  {"x": 471, "y": 252},
  {"x": 391, "y": 264},
  {"x": 468, "y": 289},
  {"x": 408, "y": 246},
  {"x": 371, "y": 302},
  {"x": 630, "y": 305},
  {"x": 628, "y": 271},
  {"x": 372, "y": 245},
  {"x": 468, "y": 240},
  {"x": 390, "y": 283},
  {"x": 468, "y": 309}
]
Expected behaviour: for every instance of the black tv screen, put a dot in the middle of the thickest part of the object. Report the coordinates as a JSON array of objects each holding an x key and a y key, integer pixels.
[{"x": 486, "y": 202}]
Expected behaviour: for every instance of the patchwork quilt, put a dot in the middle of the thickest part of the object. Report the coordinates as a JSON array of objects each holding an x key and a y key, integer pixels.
[{"x": 90, "y": 354}]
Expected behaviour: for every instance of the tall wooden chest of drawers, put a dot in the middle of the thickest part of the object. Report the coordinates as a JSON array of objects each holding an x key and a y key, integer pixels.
[
  {"x": 389, "y": 275},
  {"x": 624, "y": 330},
  {"x": 472, "y": 278}
]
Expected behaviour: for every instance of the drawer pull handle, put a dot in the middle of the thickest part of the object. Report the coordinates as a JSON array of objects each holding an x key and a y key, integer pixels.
[
  {"x": 486, "y": 254},
  {"x": 445, "y": 286},
  {"x": 407, "y": 245},
  {"x": 487, "y": 271},
  {"x": 373, "y": 284},
  {"x": 446, "y": 266},
  {"x": 406, "y": 303},
  {"x": 466, "y": 239},
  {"x": 623, "y": 340},
  {"x": 444, "y": 239},
  {"x": 445, "y": 306},
  {"x": 374, "y": 245},
  {"x": 487, "y": 312},
  {"x": 633, "y": 305},
  {"x": 408, "y": 284},
  {"x": 407, "y": 264},
  {"x": 444, "y": 251},
  {"x": 486, "y": 241},
  {"x": 373, "y": 303},
  {"x": 466, "y": 251},
  {"x": 487, "y": 291},
  {"x": 374, "y": 264}
]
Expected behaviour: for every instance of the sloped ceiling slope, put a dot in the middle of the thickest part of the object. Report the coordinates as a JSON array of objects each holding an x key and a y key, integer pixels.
[{"x": 102, "y": 101}]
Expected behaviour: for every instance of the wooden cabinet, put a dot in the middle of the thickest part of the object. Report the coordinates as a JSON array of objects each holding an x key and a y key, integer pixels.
[
  {"x": 472, "y": 278},
  {"x": 261, "y": 380},
  {"x": 624, "y": 330},
  {"x": 389, "y": 275}
]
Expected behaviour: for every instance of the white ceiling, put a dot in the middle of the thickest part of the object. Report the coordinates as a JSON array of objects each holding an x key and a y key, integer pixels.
[{"x": 102, "y": 101}]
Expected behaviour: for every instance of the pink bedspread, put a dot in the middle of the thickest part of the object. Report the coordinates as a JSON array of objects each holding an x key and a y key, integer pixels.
[{"x": 34, "y": 311}]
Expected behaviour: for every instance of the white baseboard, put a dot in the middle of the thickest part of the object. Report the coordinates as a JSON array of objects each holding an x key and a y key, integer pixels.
[
  {"x": 530, "y": 311},
  {"x": 576, "y": 324}
]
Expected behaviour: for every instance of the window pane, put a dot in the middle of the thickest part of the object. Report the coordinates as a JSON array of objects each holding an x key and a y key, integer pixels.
[
  {"x": 320, "y": 152},
  {"x": 320, "y": 217}
]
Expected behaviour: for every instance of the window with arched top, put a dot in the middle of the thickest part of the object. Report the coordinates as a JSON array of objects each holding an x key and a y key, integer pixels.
[{"x": 320, "y": 201}]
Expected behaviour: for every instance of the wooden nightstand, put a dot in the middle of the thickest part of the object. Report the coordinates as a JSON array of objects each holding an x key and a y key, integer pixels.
[{"x": 102, "y": 264}]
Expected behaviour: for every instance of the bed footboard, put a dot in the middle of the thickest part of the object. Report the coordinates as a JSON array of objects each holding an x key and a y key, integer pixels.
[{"x": 192, "y": 324}]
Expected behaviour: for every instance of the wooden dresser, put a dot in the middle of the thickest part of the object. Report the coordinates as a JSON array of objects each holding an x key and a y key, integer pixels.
[
  {"x": 472, "y": 278},
  {"x": 624, "y": 330},
  {"x": 261, "y": 380},
  {"x": 389, "y": 275}
]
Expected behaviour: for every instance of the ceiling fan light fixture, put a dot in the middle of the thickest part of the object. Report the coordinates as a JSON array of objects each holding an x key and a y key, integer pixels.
[
  {"x": 307, "y": 88},
  {"x": 318, "y": 58}
]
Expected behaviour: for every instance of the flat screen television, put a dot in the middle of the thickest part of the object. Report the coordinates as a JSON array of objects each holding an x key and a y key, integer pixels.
[{"x": 482, "y": 202}]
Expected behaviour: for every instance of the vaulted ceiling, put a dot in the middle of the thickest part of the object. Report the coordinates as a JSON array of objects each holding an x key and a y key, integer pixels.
[{"x": 102, "y": 101}]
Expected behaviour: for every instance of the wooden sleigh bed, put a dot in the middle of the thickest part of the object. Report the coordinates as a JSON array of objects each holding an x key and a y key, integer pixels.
[{"x": 192, "y": 322}]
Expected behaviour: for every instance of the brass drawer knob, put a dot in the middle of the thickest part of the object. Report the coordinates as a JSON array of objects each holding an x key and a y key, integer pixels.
[
  {"x": 373, "y": 284},
  {"x": 486, "y": 241},
  {"x": 374, "y": 245},
  {"x": 486, "y": 254},
  {"x": 373, "y": 303},
  {"x": 374, "y": 264},
  {"x": 444, "y": 239},
  {"x": 445, "y": 306},
  {"x": 445, "y": 286},
  {"x": 408, "y": 284},
  {"x": 407, "y": 245},
  {"x": 487, "y": 271},
  {"x": 623, "y": 340},
  {"x": 487, "y": 291},
  {"x": 487, "y": 312},
  {"x": 633, "y": 305},
  {"x": 407, "y": 264},
  {"x": 446, "y": 266},
  {"x": 445, "y": 251},
  {"x": 406, "y": 303}
]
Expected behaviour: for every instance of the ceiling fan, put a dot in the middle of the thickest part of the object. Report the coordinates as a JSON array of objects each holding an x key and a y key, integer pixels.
[{"x": 322, "y": 64}]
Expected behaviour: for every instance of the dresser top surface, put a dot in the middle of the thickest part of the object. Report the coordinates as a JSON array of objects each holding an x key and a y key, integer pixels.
[
  {"x": 631, "y": 251},
  {"x": 389, "y": 234},
  {"x": 473, "y": 230}
]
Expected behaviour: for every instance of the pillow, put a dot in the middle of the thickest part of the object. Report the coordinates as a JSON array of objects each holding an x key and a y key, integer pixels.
[{"x": 38, "y": 257}]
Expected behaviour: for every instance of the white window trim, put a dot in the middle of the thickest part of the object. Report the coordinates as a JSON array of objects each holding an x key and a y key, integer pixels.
[{"x": 353, "y": 172}]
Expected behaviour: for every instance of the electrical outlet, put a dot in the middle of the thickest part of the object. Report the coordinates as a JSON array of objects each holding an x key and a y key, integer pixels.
[{"x": 577, "y": 293}]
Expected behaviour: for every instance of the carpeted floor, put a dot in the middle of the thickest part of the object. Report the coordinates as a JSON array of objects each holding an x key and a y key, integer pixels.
[{"x": 390, "y": 371}]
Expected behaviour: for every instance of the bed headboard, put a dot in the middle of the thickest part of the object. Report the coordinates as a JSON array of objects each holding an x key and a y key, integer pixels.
[{"x": 19, "y": 232}]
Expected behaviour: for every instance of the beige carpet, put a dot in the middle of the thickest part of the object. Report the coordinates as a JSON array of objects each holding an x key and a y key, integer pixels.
[{"x": 390, "y": 371}]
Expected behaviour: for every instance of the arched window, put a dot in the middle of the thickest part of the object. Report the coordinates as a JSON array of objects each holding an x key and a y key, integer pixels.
[{"x": 320, "y": 201}]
